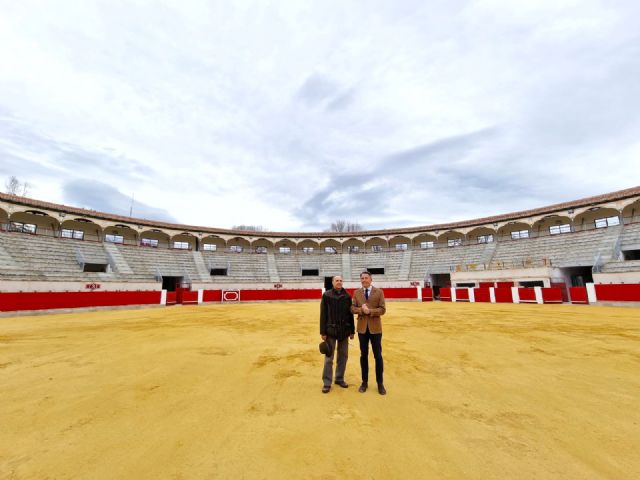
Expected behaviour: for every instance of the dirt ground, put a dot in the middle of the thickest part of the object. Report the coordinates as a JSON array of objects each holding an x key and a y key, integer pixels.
[{"x": 234, "y": 391}]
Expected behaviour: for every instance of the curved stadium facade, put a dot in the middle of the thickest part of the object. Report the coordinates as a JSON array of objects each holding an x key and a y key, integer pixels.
[{"x": 57, "y": 256}]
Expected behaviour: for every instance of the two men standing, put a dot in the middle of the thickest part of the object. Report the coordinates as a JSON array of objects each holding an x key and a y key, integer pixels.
[{"x": 336, "y": 324}]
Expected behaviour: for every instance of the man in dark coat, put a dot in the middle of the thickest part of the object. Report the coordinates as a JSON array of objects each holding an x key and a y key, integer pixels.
[{"x": 336, "y": 327}]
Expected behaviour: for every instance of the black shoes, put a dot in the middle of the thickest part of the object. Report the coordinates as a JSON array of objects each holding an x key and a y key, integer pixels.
[{"x": 362, "y": 389}]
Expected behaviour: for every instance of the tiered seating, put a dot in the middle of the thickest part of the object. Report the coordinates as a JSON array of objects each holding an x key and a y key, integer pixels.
[
  {"x": 240, "y": 267},
  {"x": 445, "y": 259},
  {"x": 629, "y": 240},
  {"x": 622, "y": 266},
  {"x": 147, "y": 263},
  {"x": 36, "y": 257},
  {"x": 290, "y": 266},
  {"x": 630, "y": 236},
  {"x": 45, "y": 258},
  {"x": 390, "y": 261},
  {"x": 565, "y": 250}
]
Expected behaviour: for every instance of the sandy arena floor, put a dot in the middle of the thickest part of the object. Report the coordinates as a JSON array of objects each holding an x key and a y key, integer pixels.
[{"x": 233, "y": 391}]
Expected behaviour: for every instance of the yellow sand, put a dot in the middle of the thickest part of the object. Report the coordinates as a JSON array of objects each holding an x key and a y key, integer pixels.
[{"x": 233, "y": 391}]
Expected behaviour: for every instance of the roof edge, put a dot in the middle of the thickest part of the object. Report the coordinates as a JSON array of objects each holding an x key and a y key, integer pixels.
[{"x": 606, "y": 197}]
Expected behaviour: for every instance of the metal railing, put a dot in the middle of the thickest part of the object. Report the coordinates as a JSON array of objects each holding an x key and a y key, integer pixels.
[
  {"x": 597, "y": 263},
  {"x": 80, "y": 258}
]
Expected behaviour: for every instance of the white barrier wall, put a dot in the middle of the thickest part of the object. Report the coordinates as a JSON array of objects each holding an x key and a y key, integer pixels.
[{"x": 515, "y": 294}]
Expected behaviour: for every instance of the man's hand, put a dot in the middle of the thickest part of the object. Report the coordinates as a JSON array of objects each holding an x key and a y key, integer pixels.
[
  {"x": 351, "y": 336},
  {"x": 324, "y": 337},
  {"x": 365, "y": 309}
]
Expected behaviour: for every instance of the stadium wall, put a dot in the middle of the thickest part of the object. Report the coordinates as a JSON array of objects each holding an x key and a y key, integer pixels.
[
  {"x": 292, "y": 285},
  {"x": 19, "y": 274},
  {"x": 75, "y": 286},
  {"x": 616, "y": 278},
  {"x": 52, "y": 300},
  {"x": 544, "y": 274},
  {"x": 21, "y": 301}
]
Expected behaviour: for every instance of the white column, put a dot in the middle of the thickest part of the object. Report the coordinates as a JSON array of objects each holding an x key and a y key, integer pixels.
[
  {"x": 538, "y": 291},
  {"x": 492, "y": 294},
  {"x": 163, "y": 297},
  {"x": 200, "y": 296},
  {"x": 591, "y": 293},
  {"x": 453, "y": 294},
  {"x": 419, "y": 291},
  {"x": 515, "y": 295},
  {"x": 472, "y": 296}
]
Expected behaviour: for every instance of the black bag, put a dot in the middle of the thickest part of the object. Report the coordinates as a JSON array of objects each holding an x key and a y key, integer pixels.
[{"x": 325, "y": 348}]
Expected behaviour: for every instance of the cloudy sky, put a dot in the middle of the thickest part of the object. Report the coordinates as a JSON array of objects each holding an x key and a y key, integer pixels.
[{"x": 292, "y": 114}]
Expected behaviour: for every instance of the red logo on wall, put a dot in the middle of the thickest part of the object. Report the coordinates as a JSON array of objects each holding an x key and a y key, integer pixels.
[
  {"x": 277, "y": 285},
  {"x": 415, "y": 284},
  {"x": 92, "y": 286}
]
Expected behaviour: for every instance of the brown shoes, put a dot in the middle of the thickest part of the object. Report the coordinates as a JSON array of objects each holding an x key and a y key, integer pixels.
[
  {"x": 381, "y": 389},
  {"x": 343, "y": 384},
  {"x": 363, "y": 388},
  {"x": 326, "y": 389}
]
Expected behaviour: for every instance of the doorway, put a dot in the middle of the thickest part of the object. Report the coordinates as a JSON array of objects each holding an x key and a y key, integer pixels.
[
  {"x": 440, "y": 280},
  {"x": 170, "y": 283}
]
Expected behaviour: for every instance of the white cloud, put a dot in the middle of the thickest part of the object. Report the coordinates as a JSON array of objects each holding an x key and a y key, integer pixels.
[{"x": 292, "y": 115}]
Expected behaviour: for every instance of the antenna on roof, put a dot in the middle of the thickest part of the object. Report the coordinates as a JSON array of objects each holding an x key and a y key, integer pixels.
[{"x": 131, "y": 207}]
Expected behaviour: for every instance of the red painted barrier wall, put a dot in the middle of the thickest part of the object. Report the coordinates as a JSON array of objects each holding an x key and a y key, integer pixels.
[
  {"x": 171, "y": 298},
  {"x": 409, "y": 292},
  {"x": 527, "y": 295},
  {"x": 256, "y": 295},
  {"x": 618, "y": 292},
  {"x": 212, "y": 296},
  {"x": 445, "y": 294},
  {"x": 17, "y": 301},
  {"x": 578, "y": 295},
  {"x": 462, "y": 294},
  {"x": 280, "y": 294},
  {"x": 189, "y": 297},
  {"x": 503, "y": 295},
  {"x": 487, "y": 284},
  {"x": 552, "y": 295},
  {"x": 482, "y": 294},
  {"x": 427, "y": 294},
  {"x": 179, "y": 294},
  {"x": 563, "y": 288},
  {"x": 504, "y": 284}
]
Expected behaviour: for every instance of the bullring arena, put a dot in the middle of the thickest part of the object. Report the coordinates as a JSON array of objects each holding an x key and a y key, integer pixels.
[{"x": 510, "y": 343}]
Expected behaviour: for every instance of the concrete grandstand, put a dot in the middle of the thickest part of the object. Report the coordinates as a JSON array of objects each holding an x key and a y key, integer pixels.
[{"x": 51, "y": 249}]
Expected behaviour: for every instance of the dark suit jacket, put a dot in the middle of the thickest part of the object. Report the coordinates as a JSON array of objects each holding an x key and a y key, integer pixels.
[{"x": 376, "y": 306}]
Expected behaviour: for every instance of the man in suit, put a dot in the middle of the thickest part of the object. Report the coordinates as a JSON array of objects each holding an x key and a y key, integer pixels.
[
  {"x": 336, "y": 326},
  {"x": 368, "y": 304}
]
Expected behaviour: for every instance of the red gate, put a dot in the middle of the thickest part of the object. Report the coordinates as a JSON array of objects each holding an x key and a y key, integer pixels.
[{"x": 184, "y": 295}]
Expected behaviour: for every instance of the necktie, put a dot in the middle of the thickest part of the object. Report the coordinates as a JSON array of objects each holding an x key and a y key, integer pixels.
[{"x": 366, "y": 294}]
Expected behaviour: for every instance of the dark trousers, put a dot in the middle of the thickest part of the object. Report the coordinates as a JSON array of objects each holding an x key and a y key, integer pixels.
[{"x": 376, "y": 346}]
